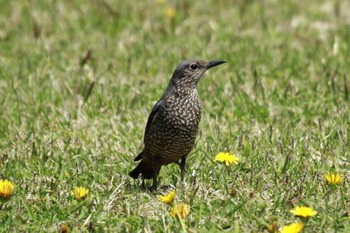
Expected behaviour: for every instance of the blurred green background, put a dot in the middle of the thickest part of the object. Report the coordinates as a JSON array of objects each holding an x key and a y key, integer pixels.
[{"x": 79, "y": 78}]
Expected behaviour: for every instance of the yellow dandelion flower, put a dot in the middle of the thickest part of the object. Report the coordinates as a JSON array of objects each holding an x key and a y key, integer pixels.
[
  {"x": 293, "y": 228},
  {"x": 80, "y": 193},
  {"x": 180, "y": 210},
  {"x": 333, "y": 178},
  {"x": 168, "y": 199},
  {"x": 6, "y": 188},
  {"x": 303, "y": 211},
  {"x": 170, "y": 12},
  {"x": 226, "y": 158},
  {"x": 272, "y": 228}
]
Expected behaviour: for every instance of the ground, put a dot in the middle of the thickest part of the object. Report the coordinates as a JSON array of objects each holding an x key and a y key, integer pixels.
[{"x": 79, "y": 78}]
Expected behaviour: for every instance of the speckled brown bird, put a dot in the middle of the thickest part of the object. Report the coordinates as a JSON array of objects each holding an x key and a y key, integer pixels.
[{"x": 172, "y": 126}]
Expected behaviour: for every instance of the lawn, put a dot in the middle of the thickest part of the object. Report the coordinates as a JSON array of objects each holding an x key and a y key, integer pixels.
[{"x": 79, "y": 78}]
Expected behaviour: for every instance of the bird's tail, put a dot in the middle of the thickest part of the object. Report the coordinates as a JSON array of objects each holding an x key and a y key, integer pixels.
[{"x": 144, "y": 169}]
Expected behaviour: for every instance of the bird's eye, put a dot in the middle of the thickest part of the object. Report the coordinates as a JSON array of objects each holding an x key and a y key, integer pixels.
[{"x": 193, "y": 66}]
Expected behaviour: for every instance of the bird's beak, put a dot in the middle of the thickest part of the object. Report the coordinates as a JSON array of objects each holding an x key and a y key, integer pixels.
[{"x": 214, "y": 63}]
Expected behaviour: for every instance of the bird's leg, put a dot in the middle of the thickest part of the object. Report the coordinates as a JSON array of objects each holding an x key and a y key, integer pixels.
[
  {"x": 183, "y": 167},
  {"x": 143, "y": 183},
  {"x": 156, "y": 169},
  {"x": 154, "y": 184}
]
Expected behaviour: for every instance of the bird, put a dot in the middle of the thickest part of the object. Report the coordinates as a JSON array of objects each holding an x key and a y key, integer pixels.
[{"x": 173, "y": 123}]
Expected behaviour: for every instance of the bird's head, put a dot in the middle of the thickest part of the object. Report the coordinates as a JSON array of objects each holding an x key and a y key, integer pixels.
[{"x": 188, "y": 73}]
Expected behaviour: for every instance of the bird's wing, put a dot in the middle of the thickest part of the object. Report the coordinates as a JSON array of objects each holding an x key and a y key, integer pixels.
[
  {"x": 150, "y": 120},
  {"x": 153, "y": 114}
]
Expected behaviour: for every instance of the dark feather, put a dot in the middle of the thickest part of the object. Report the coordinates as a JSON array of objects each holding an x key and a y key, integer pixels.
[
  {"x": 144, "y": 169},
  {"x": 153, "y": 114},
  {"x": 139, "y": 157}
]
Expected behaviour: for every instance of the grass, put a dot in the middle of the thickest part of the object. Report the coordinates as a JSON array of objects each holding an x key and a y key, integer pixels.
[{"x": 78, "y": 80}]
